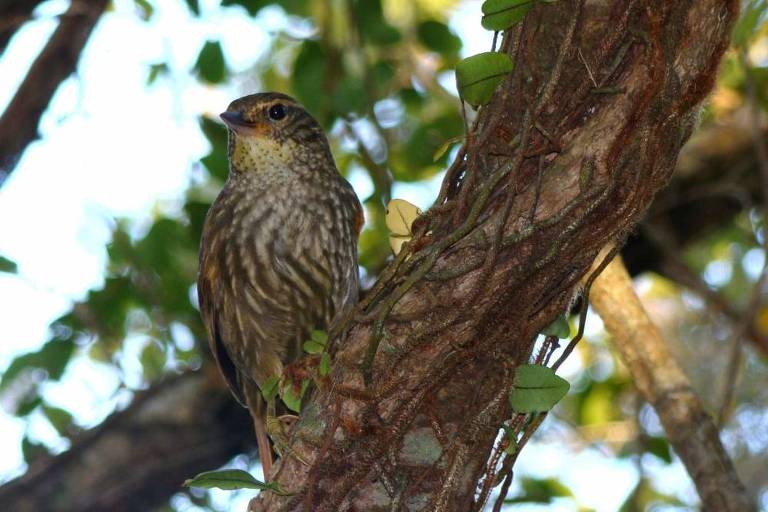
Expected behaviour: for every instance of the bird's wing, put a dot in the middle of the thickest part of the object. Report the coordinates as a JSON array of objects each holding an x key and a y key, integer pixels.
[{"x": 207, "y": 296}]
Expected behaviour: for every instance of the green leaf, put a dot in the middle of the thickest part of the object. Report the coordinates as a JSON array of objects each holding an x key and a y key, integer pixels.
[
  {"x": 153, "y": 359},
  {"x": 512, "y": 445},
  {"x": 537, "y": 389},
  {"x": 291, "y": 397},
  {"x": 559, "y": 328},
  {"x": 312, "y": 347},
  {"x": 414, "y": 161},
  {"x": 59, "y": 418},
  {"x": 8, "y": 266},
  {"x": 27, "y": 405},
  {"x": 269, "y": 388},
  {"x": 659, "y": 446},
  {"x": 372, "y": 24},
  {"x": 535, "y": 490},
  {"x": 646, "y": 497},
  {"x": 383, "y": 72},
  {"x": 325, "y": 364},
  {"x": 231, "y": 479},
  {"x": 308, "y": 83},
  {"x": 145, "y": 9},
  {"x": 438, "y": 37},
  {"x": 32, "y": 450},
  {"x": 52, "y": 357},
  {"x": 478, "y": 76},
  {"x": 210, "y": 64},
  {"x": 194, "y": 6},
  {"x": 318, "y": 336},
  {"x": 443, "y": 149},
  {"x": 316, "y": 343},
  {"x": 746, "y": 27},
  {"x": 155, "y": 70},
  {"x": 349, "y": 96},
  {"x": 502, "y": 14}
]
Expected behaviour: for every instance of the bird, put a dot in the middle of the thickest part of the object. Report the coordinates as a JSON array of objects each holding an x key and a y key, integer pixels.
[{"x": 278, "y": 252}]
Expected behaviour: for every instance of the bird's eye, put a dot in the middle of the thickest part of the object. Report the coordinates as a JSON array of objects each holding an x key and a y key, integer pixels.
[{"x": 276, "y": 112}]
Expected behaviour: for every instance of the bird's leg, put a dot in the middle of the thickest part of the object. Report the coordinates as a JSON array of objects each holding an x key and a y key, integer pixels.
[
  {"x": 262, "y": 440},
  {"x": 260, "y": 414}
]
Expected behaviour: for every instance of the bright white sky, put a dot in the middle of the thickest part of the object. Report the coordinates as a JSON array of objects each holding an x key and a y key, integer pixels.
[{"x": 113, "y": 147}]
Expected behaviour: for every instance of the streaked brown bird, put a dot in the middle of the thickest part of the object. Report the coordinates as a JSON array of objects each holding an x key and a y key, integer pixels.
[{"x": 278, "y": 256}]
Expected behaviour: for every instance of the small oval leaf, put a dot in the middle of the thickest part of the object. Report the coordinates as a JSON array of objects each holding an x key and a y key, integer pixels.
[
  {"x": 210, "y": 65},
  {"x": 325, "y": 364},
  {"x": 7, "y": 265},
  {"x": 313, "y": 347},
  {"x": 231, "y": 479},
  {"x": 478, "y": 76},
  {"x": 537, "y": 389},
  {"x": 400, "y": 217},
  {"x": 319, "y": 336},
  {"x": 502, "y": 14},
  {"x": 291, "y": 396},
  {"x": 270, "y": 388}
]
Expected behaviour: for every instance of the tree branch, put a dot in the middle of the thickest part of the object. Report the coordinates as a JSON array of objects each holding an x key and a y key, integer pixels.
[
  {"x": 690, "y": 430},
  {"x": 19, "y": 123},
  {"x": 13, "y": 14},
  {"x": 139, "y": 457}
]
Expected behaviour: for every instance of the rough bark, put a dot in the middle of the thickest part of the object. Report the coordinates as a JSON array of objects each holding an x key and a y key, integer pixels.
[
  {"x": 691, "y": 431},
  {"x": 58, "y": 60},
  {"x": 139, "y": 457},
  {"x": 565, "y": 159}
]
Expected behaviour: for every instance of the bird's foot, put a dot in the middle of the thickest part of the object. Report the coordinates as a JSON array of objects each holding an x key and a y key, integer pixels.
[
  {"x": 278, "y": 429},
  {"x": 288, "y": 420}
]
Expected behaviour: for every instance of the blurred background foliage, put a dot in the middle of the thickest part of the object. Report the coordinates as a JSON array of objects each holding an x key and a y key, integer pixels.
[{"x": 377, "y": 75}]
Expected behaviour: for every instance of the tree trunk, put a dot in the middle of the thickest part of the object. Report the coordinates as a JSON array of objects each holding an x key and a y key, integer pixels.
[{"x": 565, "y": 159}]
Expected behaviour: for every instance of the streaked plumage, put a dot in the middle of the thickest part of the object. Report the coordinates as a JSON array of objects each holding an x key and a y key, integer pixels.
[{"x": 278, "y": 256}]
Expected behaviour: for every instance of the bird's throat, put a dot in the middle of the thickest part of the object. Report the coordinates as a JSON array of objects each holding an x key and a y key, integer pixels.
[{"x": 269, "y": 158}]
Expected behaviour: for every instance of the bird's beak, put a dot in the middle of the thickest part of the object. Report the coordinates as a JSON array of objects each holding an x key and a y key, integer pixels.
[
  {"x": 236, "y": 123},
  {"x": 234, "y": 120}
]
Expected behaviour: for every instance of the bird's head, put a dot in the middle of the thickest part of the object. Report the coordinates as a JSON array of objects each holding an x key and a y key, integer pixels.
[{"x": 272, "y": 133}]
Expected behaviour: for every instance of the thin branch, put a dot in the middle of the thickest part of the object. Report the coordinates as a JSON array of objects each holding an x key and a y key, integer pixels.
[
  {"x": 691, "y": 431},
  {"x": 58, "y": 60},
  {"x": 13, "y": 14}
]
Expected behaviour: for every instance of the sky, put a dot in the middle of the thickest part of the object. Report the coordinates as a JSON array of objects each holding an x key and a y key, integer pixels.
[{"x": 113, "y": 147}]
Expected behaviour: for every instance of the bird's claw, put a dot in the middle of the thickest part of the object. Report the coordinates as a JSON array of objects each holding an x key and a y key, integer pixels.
[{"x": 278, "y": 429}]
